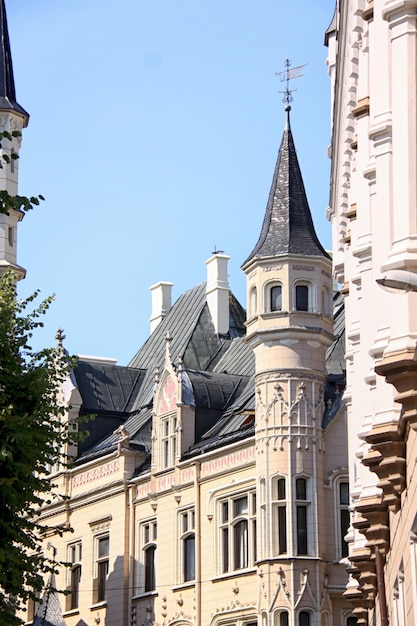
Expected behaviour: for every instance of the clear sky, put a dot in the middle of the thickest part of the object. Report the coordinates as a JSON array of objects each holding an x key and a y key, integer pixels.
[{"x": 154, "y": 131}]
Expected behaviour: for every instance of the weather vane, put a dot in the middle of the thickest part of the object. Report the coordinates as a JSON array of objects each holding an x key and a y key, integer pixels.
[{"x": 288, "y": 74}]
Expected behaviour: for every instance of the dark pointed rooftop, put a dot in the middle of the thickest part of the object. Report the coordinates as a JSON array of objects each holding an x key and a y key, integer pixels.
[
  {"x": 7, "y": 89},
  {"x": 287, "y": 227}
]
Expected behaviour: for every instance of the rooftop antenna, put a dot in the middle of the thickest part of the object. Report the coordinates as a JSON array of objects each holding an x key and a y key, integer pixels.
[
  {"x": 288, "y": 74},
  {"x": 215, "y": 251}
]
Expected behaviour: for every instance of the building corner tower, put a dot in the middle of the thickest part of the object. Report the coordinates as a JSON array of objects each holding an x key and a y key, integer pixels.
[
  {"x": 12, "y": 118},
  {"x": 289, "y": 327}
]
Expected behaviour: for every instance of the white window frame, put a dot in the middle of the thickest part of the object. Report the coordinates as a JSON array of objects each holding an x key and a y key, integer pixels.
[
  {"x": 168, "y": 437},
  {"x": 148, "y": 541},
  {"x": 186, "y": 530},
  {"x": 311, "y": 296},
  {"x": 100, "y": 560},
  {"x": 229, "y": 519},
  {"x": 74, "y": 557}
]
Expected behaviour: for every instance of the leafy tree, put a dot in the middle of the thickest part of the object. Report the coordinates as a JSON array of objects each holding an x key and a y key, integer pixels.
[
  {"x": 32, "y": 437},
  {"x": 7, "y": 201}
]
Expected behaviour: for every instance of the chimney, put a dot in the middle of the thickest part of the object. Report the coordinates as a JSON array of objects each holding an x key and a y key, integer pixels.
[
  {"x": 161, "y": 303},
  {"x": 217, "y": 292}
]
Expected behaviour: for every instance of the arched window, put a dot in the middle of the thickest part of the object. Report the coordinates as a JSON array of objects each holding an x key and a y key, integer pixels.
[
  {"x": 344, "y": 516},
  {"x": 281, "y": 618},
  {"x": 238, "y": 531},
  {"x": 253, "y": 302},
  {"x": 187, "y": 539},
  {"x": 147, "y": 577},
  {"x": 304, "y": 618}
]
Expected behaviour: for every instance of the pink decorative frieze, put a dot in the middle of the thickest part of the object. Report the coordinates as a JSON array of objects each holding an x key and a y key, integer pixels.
[
  {"x": 235, "y": 459},
  {"x": 187, "y": 475},
  {"x": 96, "y": 473},
  {"x": 143, "y": 490},
  {"x": 165, "y": 482}
]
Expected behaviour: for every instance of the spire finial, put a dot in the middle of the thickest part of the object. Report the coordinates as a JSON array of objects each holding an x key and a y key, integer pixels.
[
  {"x": 288, "y": 74},
  {"x": 60, "y": 337}
]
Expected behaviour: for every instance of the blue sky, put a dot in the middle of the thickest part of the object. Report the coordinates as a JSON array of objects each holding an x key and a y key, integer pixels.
[{"x": 154, "y": 131}]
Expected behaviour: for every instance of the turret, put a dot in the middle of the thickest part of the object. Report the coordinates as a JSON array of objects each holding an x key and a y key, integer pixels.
[
  {"x": 12, "y": 118},
  {"x": 289, "y": 326}
]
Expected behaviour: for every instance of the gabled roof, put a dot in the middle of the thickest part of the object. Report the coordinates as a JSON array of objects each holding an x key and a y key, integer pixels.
[
  {"x": 7, "y": 88},
  {"x": 288, "y": 226}
]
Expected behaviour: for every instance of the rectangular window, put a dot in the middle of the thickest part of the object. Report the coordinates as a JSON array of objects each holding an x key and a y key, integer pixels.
[
  {"x": 279, "y": 506},
  {"x": 187, "y": 544},
  {"x": 102, "y": 546},
  {"x": 301, "y": 298},
  {"x": 74, "y": 556},
  {"x": 344, "y": 517},
  {"x": 168, "y": 441},
  {"x": 148, "y": 533},
  {"x": 276, "y": 298},
  {"x": 238, "y": 532},
  {"x": 301, "y": 515}
]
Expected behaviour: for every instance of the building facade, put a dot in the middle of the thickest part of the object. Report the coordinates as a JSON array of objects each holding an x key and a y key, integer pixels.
[
  {"x": 212, "y": 487},
  {"x": 373, "y": 211}
]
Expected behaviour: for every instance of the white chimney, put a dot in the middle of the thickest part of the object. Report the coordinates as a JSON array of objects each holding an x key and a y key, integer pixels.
[
  {"x": 161, "y": 303},
  {"x": 217, "y": 292}
]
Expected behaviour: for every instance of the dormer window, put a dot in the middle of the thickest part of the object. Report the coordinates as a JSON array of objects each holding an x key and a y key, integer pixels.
[{"x": 168, "y": 440}]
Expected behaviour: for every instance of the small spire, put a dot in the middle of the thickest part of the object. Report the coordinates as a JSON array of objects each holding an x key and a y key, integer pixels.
[
  {"x": 168, "y": 340},
  {"x": 7, "y": 87},
  {"x": 60, "y": 337}
]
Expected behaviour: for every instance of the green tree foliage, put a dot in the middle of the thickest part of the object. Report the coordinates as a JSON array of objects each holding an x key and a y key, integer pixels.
[
  {"x": 7, "y": 201},
  {"x": 32, "y": 436}
]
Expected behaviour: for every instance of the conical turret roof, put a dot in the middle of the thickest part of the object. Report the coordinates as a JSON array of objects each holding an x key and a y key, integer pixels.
[
  {"x": 7, "y": 89},
  {"x": 288, "y": 226}
]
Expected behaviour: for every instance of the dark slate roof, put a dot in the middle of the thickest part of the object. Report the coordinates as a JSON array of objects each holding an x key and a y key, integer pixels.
[
  {"x": 50, "y": 612},
  {"x": 7, "y": 89},
  {"x": 107, "y": 388},
  {"x": 332, "y": 27},
  {"x": 193, "y": 338},
  {"x": 335, "y": 355},
  {"x": 288, "y": 226},
  {"x": 238, "y": 359}
]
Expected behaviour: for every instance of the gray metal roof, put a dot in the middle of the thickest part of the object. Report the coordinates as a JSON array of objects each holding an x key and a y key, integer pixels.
[
  {"x": 287, "y": 227},
  {"x": 238, "y": 359},
  {"x": 50, "y": 612},
  {"x": 107, "y": 388},
  {"x": 7, "y": 88}
]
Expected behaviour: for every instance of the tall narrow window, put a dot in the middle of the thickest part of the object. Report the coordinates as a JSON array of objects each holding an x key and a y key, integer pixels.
[
  {"x": 253, "y": 302},
  {"x": 279, "y": 504},
  {"x": 187, "y": 543},
  {"x": 301, "y": 515},
  {"x": 301, "y": 298},
  {"x": 12, "y": 161},
  {"x": 344, "y": 517},
  {"x": 101, "y": 568},
  {"x": 148, "y": 532},
  {"x": 304, "y": 618},
  {"x": 10, "y": 236},
  {"x": 168, "y": 440},
  {"x": 276, "y": 298},
  {"x": 282, "y": 619},
  {"x": 238, "y": 532},
  {"x": 74, "y": 552}
]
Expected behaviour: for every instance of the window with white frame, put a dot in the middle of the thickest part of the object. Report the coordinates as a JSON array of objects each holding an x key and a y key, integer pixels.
[
  {"x": 281, "y": 618},
  {"x": 148, "y": 532},
  {"x": 238, "y": 531},
  {"x": 168, "y": 440},
  {"x": 344, "y": 516},
  {"x": 279, "y": 505},
  {"x": 74, "y": 557},
  {"x": 187, "y": 544},
  {"x": 101, "y": 567},
  {"x": 301, "y": 509},
  {"x": 302, "y": 297},
  {"x": 272, "y": 297},
  {"x": 253, "y": 302}
]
